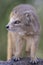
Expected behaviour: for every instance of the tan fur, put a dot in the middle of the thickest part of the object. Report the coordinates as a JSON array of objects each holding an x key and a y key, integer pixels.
[{"x": 28, "y": 35}]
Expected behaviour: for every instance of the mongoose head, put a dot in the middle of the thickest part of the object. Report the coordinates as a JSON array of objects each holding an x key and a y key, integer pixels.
[{"x": 23, "y": 19}]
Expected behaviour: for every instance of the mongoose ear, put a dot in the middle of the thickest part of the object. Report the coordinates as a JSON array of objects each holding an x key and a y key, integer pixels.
[
  {"x": 27, "y": 14},
  {"x": 28, "y": 17}
]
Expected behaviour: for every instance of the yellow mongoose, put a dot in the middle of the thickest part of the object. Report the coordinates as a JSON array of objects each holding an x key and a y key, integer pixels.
[{"x": 23, "y": 27}]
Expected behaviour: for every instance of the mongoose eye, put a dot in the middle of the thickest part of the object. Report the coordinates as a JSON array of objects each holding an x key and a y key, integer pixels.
[{"x": 17, "y": 22}]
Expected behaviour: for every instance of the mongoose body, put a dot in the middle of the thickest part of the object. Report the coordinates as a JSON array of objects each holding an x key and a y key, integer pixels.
[{"x": 23, "y": 28}]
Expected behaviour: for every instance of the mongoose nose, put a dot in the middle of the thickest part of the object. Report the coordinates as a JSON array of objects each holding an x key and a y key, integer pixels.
[{"x": 7, "y": 26}]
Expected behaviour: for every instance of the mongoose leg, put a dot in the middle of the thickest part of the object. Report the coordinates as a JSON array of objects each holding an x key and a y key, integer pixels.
[{"x": 9, "y": 48}]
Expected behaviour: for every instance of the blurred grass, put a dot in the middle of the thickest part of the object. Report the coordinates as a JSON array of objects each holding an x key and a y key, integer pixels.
[{"x": 5, "y": 9}]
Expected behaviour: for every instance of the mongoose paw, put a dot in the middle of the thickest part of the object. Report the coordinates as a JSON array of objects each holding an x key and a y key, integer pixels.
[
  {"x": 16, "y": 58},
  {"x": 35, "y": 61}
]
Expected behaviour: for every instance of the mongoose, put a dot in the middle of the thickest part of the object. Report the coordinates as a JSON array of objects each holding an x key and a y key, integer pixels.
[{"x": 23, "y": 29}]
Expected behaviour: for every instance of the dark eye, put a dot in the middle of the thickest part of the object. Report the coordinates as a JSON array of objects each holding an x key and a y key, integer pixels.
[{"x": 17, "y": 22}]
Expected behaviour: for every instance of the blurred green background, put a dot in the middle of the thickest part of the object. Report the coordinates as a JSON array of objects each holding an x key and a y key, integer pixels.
[{"x": 5, "y": 8}]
